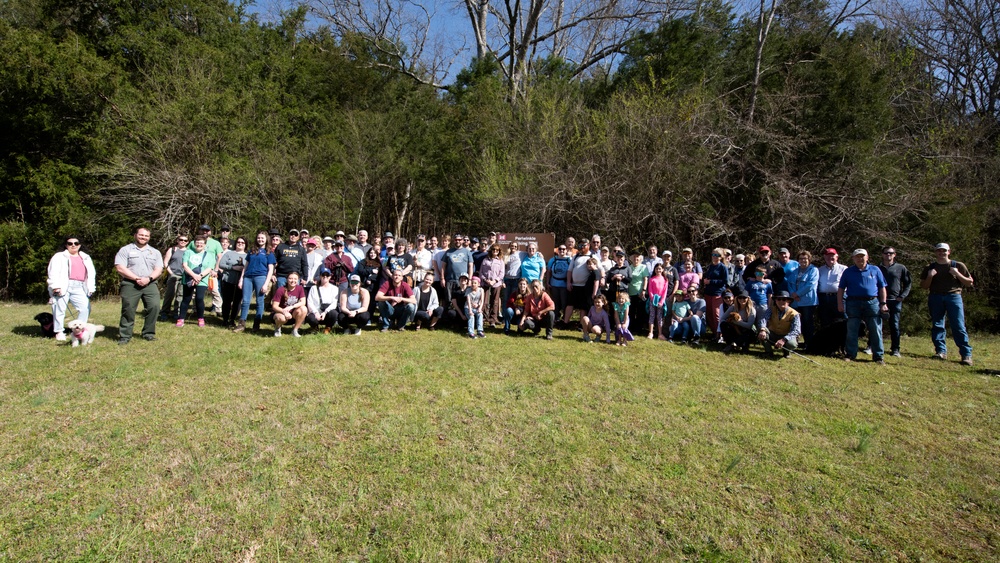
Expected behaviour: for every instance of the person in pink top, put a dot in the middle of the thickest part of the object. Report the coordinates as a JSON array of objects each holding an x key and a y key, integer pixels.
[
  {"x": 688, "y": 277},
  {"x": 656, "y": 291},
  {"x": 71, "y": 280},
  {"x": 596, "y": 321}
]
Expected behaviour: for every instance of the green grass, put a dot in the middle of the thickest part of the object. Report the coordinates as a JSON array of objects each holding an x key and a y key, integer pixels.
[{"x": 207, "y": 445}]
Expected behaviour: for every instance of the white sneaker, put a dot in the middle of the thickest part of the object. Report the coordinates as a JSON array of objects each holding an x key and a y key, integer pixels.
[
  {"x": 61, "y": 336},
  {"x": 295, "y": 333},
  {"x": 277, "y": 332}
]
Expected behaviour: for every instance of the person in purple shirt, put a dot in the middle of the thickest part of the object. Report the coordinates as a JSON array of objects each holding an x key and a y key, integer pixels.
[
  {"x": 862, "y": 296},
  {"x": 597, "y": 321}
]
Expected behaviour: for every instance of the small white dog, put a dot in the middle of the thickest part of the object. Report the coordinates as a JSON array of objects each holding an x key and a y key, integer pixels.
[{"x": 83, "y": 333}]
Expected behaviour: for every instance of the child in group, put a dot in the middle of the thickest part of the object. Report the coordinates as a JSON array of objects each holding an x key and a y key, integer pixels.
[
  {"x": 759, "y": 289},
  {"x": 656, "y": 299},
  {"x": 596, "y": 321},
  {"x": 621, "y": 307},
  {"x": 680, "y": 313},
  {"x": 688, "y": 277},
  {"x": 475, "y": 302}
]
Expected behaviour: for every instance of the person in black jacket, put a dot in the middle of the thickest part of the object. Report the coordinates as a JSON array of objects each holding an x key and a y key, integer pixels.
[
  {"x": 772, "y": 268},
  {"x": 291, "y": 257},
  {"x": 897, "y": 284}
]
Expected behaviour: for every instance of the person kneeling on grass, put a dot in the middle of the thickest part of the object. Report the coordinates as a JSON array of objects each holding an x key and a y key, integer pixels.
[
  {"x": 396, "y": 302},
  {"x": 322, "y": 302},
  {"x": 779, "y": 325},
  {"x": 289, "y": 305},
  {"x": 457, "y": 316},
  {"x": 596, "y": 321},
  {"x": 429, "y": 309},
  {"x": 354, "y": 306},
  {"x": 621, "y": 310},
  {"x": 539, "y": 311},
  {"x": 738, "y": 323}
]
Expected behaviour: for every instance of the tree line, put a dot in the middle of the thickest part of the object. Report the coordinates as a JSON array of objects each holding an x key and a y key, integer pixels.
[{"x": 795, "y": 122}]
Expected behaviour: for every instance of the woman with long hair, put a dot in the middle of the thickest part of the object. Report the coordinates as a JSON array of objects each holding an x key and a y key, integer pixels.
[{"x": 255, "y": 281}]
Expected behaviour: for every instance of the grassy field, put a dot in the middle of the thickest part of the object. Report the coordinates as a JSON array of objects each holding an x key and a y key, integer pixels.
[{"x": 211, "y": 446}]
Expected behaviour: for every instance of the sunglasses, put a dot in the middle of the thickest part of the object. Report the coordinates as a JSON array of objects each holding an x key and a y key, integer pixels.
[
  {"x": 716, "y": 255},
  {"x": 72, "y": 243},
  {"x": 355, "y": 283},
  {"x": 182, "y": 240}
]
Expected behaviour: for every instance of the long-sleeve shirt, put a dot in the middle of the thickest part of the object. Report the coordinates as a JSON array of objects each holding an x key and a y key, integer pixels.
[
  {"x": 897, "y": 281},
  {"x": 804, "y": 284},
  {"x": 794, "y": 332},
  {"x": 492, "y": 272},
  {"x": 323, "y": 299},
  {"x": 829, "y": 278},
  {"x": 715, "y": 280},
  {"x": 747, "y": 317}
]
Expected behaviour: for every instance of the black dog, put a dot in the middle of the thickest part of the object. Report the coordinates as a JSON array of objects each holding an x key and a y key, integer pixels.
[{"x": 46, "y": 321}]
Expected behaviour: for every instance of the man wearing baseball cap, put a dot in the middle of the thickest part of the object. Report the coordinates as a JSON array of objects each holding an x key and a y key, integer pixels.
[
  {"x": 772, "y": 268},
  {"x": 861, "y": 295},
  {"x": 945, "y": 278}
]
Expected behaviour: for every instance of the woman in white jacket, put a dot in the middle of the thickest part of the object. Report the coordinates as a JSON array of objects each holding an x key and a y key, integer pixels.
[{"x": 72, "y": 280}]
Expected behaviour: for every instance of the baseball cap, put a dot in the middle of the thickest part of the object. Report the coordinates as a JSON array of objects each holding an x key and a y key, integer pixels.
[
  {"x": 388, "y": 234},
  {"x": 764, "y": 248},
  {"x": 324, "y": 271},
  {"x": 783, "y": 250},
  {"x": 355, "y": 278},
  {"x": 859, "y": 252},
  {"x": 619, "y": 253},
  {"x": 338, "y": 243},
  {"x": 686, "y": 249},
  {"x": 313, "y": 241},
  {"x": 943, "y": 246},
  {"x": 466, "y": 276},
  {"x": 205, "y": 228},
  {"x": 667, "y": 253},
  {"x": 304, "y": 232},
  {"x": 225, "y": 228},
  {"x": 293, "y": 232},
  {"x": 830, "y": 250}
]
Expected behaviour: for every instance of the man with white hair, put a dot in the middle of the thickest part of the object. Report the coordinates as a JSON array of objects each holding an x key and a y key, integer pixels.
[
  {"x": 945, "y": 278},
  {"x": 862, "y": 296},
  {"x": 363, "y": 242}
]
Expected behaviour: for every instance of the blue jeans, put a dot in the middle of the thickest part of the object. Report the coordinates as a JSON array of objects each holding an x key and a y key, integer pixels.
[
  {"x": 895, "y": 312},
  {"x": 280, "y": 281},
  {"x": 691, "y": 328},
  {"x": 253, "y": 285},
  {"x": 399, "y": 315},
  {"x": 475, "y": 322},
  {"x": 950, "y": 304},
  {"x": 868, "y": 312}
]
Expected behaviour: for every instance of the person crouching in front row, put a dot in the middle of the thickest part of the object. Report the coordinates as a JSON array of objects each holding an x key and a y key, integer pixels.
[{"x": 779, "y": 326}]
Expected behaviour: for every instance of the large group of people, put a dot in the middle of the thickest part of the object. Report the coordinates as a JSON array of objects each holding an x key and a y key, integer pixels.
[{"x": 345, "y": 283}]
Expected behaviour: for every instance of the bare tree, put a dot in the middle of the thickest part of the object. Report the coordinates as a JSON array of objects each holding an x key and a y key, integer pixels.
[
  {"x": 961, "y": 41},
  {"x": 515, "y": 33}
]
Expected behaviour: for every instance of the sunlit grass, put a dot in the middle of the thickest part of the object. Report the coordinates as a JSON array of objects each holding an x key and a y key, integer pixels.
[{"x": 207, "y": 445}]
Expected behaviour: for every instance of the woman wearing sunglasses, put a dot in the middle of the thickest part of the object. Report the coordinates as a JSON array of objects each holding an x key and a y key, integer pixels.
[
  {"x": 71, "y": 280},
  {"x": 173, "y": 260}
]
